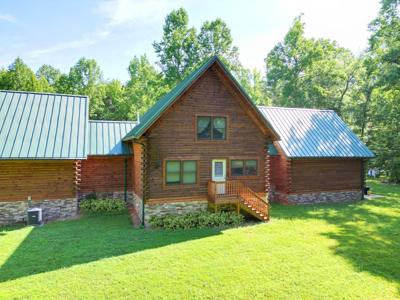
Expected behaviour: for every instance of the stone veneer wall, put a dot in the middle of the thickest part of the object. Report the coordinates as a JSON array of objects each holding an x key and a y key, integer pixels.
[
  {"x": 318, "y": 197},
  {"x": 173, "y": 208},
  {"x": 119, "y": 195},
  {"x": 16, "y": 211}
]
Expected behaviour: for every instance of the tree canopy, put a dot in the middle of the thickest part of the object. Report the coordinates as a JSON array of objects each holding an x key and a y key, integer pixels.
[{"x": 299, "y": 72}]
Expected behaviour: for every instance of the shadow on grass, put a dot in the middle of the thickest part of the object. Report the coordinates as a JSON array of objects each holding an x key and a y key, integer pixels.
[
  {"x": 65, "y": 244},
  {"x": 368, "y": 232}
]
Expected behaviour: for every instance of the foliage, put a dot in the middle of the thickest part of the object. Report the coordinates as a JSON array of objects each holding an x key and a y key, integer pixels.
[
  {"x": 300, "y": 72},
  {"x": 51, "y": 74},
  {"x": 102, "y": 205},
  {"x": 304, "y": 72},
  {"x": 20, "y": 77},
  {"x": 382, "y": 107},
  {"x": 215, "y": 38},
  {"x": 196, "y": 220},
  {"x": 178, "y": 48},
  {"x": 144, "y": 87}
]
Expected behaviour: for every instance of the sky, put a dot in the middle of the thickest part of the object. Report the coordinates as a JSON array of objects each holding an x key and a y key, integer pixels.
[{"x": 113, "y": 31}]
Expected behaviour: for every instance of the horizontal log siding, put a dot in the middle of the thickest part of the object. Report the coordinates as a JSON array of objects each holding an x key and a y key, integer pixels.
[
  {"x": 104, "y": 174},
  {"x": 174, "y": 136},
  {"x": 279, "y": 173},
  {"x": 317, "y": 175},
  {"x": 42, "y": 180}
]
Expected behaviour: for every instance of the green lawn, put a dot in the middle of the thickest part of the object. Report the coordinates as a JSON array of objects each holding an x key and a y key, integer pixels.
[{"x": 321, "y": 251}]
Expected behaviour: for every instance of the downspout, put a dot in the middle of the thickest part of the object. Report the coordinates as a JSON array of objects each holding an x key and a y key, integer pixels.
[
  {"x": 363, "y": 182},
  {"x": 125, "y": 179}
]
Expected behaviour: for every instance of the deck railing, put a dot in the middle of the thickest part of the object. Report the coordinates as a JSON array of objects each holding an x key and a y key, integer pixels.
[{"x": 229, "y": 190}]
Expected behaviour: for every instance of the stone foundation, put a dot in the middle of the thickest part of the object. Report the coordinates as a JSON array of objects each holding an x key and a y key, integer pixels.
[
  {"x": 135, "y": 205},
  {"x": 320, "y": 197},
  {"x": 173, "y": 208},
  {"x": 120, "y": 195},
  {"x": 16, "y": 211}
]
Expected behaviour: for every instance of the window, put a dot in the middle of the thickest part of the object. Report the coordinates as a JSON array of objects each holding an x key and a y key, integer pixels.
[
  {"x": 237, "y": 168},
  {"x": 240, "y": 167},
  {"x": 173, "y": 172},
  {"x": 211, "y": 128},
  {"x": 189, "y": 172},
  {"x": 180, "y": 172},
  {"x": 250, "y": 167}
]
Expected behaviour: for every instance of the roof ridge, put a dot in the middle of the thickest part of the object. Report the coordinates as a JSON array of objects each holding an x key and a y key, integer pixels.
[
  {"x": 43, "y": 93},
  {"x": 295, "y": 108}
]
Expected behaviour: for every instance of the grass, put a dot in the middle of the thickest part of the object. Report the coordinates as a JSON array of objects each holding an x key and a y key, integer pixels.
[{"x": 338, "y": 251}]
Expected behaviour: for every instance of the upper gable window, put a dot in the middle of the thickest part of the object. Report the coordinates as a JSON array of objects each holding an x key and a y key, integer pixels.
[{"x": 211, "y": 128}]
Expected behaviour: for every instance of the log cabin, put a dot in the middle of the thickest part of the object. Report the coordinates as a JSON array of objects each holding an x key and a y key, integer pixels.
[{"x": 202, "y": 145}]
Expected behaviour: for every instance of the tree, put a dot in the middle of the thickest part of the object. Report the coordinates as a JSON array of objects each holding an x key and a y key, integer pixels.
[
  {"x": 85, "y": 78},
  {"x": 114, "y": 101},
  {"x": 51, "y": 74},
  {"x": 20, "y": 77},
  {"x": 215, "y": 38},
  {"x": 383, "y": 88},
  {"x": 144, "y": 87},
  {"x": 304, "y": 72},
  {"x": 253, "y": 83},
  {"x": 178, "y": 49},
  {"x": 3, "y": 78},
  {"x": 384, "y": 44}
]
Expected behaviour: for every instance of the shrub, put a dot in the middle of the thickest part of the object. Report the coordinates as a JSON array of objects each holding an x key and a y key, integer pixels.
[
  {"x": 196, "y": 220},
  {"x": 102, "y": 206}
]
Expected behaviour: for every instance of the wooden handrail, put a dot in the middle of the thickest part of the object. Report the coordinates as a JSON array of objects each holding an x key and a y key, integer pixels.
[{"x": 236, "y": 189}]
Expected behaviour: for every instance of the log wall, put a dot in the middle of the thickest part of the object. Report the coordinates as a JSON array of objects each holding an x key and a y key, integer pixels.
[
  {"x": 40, "y": 179},
  {"x": 101, "y": 174}
]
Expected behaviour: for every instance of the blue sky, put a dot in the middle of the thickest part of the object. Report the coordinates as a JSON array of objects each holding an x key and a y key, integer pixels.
[{"x": 113, "y": 31}]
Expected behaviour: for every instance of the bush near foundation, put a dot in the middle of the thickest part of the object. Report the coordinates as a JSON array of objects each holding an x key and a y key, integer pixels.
[
  {"x": 196, "y": 220},
  {"x": 106, "y": 206}
]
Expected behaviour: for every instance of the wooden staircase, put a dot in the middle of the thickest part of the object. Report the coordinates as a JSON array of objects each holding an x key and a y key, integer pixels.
[{"x": 236, "y": 192}]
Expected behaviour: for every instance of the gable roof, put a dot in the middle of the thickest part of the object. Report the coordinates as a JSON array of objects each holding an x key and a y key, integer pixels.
[
  {"x": 105, "y": 137},
  {"x": 314, "y": 133},
  {"x": 167, "y": 100},
  {"x": 42, "y": 125}
]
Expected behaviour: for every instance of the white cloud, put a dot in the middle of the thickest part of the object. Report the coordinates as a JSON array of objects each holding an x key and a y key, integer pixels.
[
  {"x": 74, "y": 44},
  {"x": 7, "y": 18},
  {"x": 120, "y": 12},
  {"x": 341, "y": 20}
]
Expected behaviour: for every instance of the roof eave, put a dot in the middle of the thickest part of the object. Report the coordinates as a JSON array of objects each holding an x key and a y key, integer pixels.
[{"x": 142, "y": 130}]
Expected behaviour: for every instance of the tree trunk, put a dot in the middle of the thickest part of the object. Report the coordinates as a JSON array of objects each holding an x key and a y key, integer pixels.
[{"x": 367, "y": 94}]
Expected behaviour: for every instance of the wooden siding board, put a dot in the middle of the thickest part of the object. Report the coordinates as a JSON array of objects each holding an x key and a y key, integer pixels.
[
  {"x": 174, "y": 135},
  {"x": 317, "y": 175},
  {"x": 42, "y": 180},
  {"x": 105, "y": 174}
]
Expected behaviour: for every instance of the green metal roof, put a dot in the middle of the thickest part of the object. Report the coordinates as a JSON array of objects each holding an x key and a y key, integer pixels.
[
  {"x": 42, "y": 125},
  {"x": 105, "y": 137},
  {"x": 162, "y": 104},
  {"x": 272, "y": 149},
  {"x": 307, "y": 133}
]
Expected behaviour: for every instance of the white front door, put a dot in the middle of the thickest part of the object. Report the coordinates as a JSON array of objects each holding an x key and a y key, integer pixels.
[{"x": 219, "y": 174}]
